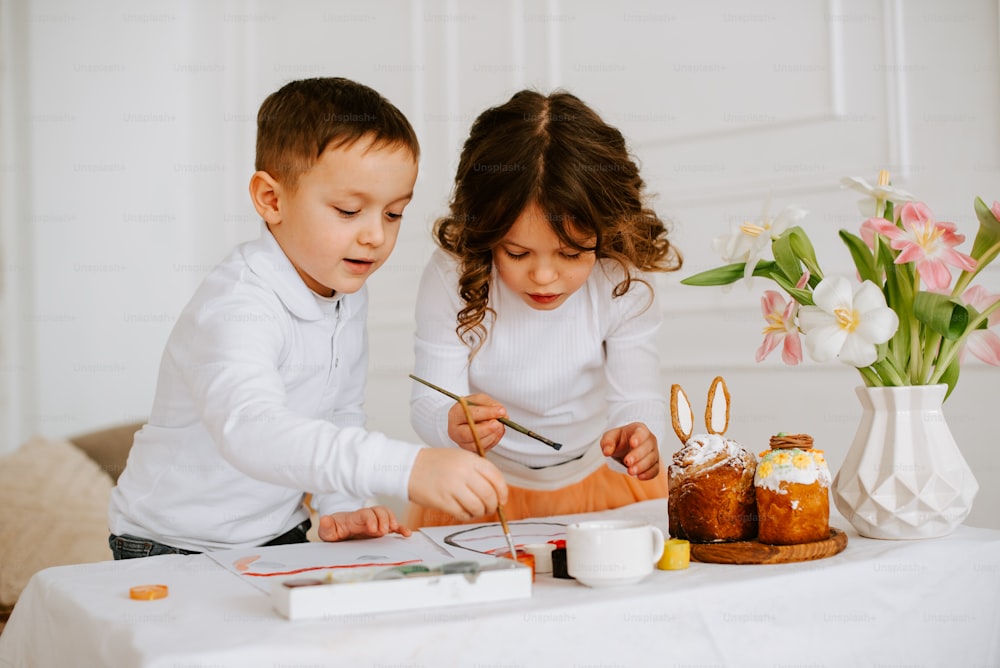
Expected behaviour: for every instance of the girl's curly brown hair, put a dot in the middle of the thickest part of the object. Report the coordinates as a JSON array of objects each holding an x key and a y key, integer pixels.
[{"x": 556, "y": 151}]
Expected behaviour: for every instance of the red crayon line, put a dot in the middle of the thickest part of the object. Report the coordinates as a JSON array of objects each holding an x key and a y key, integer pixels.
[{"x": 327, "y": 568}]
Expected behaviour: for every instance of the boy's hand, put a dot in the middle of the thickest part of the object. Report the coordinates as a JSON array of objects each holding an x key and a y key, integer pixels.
[
  {"x": 365, "y": 523},
  {"x": 484, "y": 413},
  {"x": 456, "y": 482},
  {"x": 634, "y": 446}
]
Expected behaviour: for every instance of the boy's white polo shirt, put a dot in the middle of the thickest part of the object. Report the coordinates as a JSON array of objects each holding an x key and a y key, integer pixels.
[{"x": 259, "y": 399}]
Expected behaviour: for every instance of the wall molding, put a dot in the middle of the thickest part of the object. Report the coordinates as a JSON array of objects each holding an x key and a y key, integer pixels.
[{"x": 18, "y": 351}]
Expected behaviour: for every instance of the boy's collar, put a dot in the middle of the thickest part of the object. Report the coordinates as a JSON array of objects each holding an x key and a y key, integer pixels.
[{"x": 266, "y": 259}]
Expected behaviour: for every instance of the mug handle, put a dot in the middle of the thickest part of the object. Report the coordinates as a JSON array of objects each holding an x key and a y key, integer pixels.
[{"x": 658, "y": 543}]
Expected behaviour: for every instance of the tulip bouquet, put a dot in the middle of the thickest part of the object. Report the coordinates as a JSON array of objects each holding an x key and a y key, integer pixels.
[{"x": 902, "y": 321}]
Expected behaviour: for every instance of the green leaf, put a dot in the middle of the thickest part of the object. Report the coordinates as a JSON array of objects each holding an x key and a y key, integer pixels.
[
  {"x": 803, "y": 248},
  {"x": 985, "y": 247},
  {"x": 898, "y": 279},
  {"x": 942, "y": 314},
  {"x": 785, "y": 257},
  {"x": 950, "y": 376},
  {"x": 802, "y": 296},
  {"x": 973, "y": 314},
  {"x": 896, "y": 299},
  {"x": 863, "y": 258},
  {"x": 727, "y": 274},
  {"x": 730, "y": 273}
]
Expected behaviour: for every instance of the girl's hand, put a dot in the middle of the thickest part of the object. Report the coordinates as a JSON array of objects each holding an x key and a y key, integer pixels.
[
  {"x": 484, "y": 413},
  {"x": 635, "y": 448},
  {"x": 370, "y": 522}
]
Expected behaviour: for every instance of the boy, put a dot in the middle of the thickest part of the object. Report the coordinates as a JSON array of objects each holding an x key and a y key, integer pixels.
[{"x": 261, "y": 384}]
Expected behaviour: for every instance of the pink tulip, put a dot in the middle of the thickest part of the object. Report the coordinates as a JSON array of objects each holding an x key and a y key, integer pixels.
[
  {"x": 983, "y": 343},
  {"x": 926, "y": 242},
  {"x": 781, "y": 327},
  {"x": 874, "y": 226}
]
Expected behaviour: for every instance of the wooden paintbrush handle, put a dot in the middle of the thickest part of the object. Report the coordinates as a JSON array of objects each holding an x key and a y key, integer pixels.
[
  {"x": 510, "y": 423},
  {"x": 482, "y": 453}
]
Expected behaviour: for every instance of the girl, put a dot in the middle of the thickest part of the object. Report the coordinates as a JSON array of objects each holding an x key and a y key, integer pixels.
[{"x": 538, "y": 307}]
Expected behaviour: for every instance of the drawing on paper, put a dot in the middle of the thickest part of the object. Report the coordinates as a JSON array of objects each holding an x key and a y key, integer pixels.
[{"x": 488, "y": 539}]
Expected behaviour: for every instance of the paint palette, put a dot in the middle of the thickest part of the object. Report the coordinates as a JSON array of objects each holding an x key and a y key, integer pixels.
[{"x": 407, "y": 587}]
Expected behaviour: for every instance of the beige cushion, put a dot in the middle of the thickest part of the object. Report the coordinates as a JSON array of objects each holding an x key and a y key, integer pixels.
[
  {"x": 108, "y": 447},
  {"x": 53, "y": 511}
]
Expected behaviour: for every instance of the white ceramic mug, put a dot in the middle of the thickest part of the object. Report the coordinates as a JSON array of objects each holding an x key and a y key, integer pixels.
[{"x": 603, "y": 553}]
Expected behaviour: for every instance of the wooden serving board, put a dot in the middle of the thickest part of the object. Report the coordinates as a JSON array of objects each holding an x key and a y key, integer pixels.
[{"x": 753, "y": 552}]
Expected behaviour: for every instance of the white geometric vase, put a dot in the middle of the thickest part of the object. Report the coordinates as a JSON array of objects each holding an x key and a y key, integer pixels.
[{"x": 904, "y": 476}]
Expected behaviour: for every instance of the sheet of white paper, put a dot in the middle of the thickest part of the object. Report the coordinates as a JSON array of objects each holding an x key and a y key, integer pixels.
[{"x": 259, "y": 565}]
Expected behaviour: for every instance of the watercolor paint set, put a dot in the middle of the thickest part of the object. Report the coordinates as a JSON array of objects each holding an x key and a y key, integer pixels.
[{"x": 413, "y": 586}]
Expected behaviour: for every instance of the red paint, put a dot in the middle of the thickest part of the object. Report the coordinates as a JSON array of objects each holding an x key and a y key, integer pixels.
[{"x": 330, "y": 568}]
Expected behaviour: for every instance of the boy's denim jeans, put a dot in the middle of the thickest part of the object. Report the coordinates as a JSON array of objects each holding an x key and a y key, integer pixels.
[{"x": 133, "y": 547}]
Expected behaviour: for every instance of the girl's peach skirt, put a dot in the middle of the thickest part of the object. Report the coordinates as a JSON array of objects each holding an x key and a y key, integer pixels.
[{"x": 603, "y": 489}]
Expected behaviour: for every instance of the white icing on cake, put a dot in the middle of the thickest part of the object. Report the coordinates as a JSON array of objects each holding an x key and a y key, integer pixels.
[
  {"x": 706, "y": 448},
  {"x": 791, "y": 465}
]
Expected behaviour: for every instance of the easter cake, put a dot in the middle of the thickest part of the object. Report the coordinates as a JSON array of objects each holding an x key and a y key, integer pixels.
[
  {"x": 711, "y": 478},
  {"x": 792, "y": 484}
]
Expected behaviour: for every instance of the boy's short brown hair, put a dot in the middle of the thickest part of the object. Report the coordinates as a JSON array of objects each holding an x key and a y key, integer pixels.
[{"x": 303, "y": 118}]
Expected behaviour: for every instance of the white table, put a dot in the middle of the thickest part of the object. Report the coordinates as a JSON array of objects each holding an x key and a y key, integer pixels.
[{"x": 879, "y": 603}]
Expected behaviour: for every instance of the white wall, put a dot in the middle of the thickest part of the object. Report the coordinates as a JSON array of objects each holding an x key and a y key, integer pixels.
[{"x": 126, "y": 141}]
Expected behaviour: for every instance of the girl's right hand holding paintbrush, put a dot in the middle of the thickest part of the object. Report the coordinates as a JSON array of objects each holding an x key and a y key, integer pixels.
[
  {"x": 456, "y": 482},
  {"x": 485, "y": 411}
]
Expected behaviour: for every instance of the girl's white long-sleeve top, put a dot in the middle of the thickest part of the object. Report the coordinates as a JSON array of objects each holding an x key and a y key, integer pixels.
[
  {"x": 259, "y": 400},
  {"x": 569, "y": 374}
]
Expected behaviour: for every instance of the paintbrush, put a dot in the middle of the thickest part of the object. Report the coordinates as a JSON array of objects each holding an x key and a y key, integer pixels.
[
  {"x": 482, "y": 453},
  {"x": 510, "y": 423}
]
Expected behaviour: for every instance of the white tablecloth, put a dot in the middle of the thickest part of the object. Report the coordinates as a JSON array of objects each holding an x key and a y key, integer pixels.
[{"x": 879, "y": 603}]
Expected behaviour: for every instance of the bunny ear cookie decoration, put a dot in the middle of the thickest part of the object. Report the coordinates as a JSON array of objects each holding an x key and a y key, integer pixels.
[
  {"x": 717, "y": 407},
  {"x": 716, "y": 410},
  {"x": 681, "y": 415}
]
